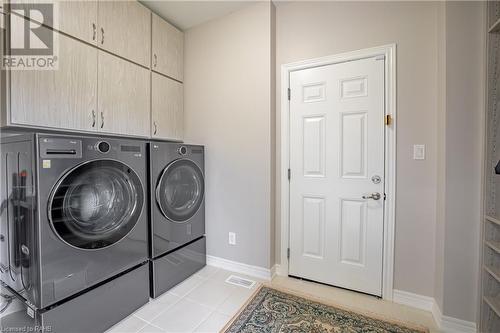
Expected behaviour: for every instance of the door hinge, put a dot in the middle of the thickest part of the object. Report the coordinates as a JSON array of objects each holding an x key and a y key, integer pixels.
[
  {"x": 385, "y": 196},
  {"x": 289, "y": 93},
  {"x": 288, "y": 253},
  {"x": 388, "y": 119},
  {"x": 289, "y": 174}
]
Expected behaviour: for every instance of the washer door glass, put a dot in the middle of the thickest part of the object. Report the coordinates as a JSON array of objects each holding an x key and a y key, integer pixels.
[
  {"x": 96, "y": 204},
  {"x": 180, "y": 190}
]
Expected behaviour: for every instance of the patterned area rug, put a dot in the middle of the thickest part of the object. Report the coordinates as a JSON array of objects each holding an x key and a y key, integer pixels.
[{"x": 273, "y": 311}]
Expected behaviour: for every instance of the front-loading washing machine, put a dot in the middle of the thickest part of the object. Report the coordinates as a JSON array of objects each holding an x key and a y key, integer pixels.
[
  {"x": 177, "y": 201},
  {"x": 73, "y": 221}
]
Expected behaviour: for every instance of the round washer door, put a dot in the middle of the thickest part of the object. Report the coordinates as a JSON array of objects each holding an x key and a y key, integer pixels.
[
  {"x": 96, "y": 204},
  {"x": 180, "y": 190}
]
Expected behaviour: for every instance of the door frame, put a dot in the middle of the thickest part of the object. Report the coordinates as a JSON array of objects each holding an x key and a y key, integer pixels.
[{"x": 389, "y": 51}]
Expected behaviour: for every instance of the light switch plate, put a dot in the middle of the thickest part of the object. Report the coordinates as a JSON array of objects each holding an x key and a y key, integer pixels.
[{"x": 419, "y": 152}]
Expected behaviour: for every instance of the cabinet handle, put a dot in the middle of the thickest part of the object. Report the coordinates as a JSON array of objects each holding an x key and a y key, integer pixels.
[
  {"x": 156, "y": 127},
  {"x": 93, "y": 118},
  {"x": 102, "y": 33},
  {"x": 155, "y": 62},
  {"x": 94, "y": 31},
  {"x": 102, "y": 119}
]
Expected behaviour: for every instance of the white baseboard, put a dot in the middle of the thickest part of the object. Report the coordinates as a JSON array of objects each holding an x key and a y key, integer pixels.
[
  {"x": 238, "y": 267},
  {"x": 417, "y": 301},
  {"x": 445, "y": 323}
]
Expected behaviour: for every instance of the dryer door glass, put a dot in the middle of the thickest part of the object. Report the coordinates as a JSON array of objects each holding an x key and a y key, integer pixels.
[
  {"x": 96, "y": 204},
  {"x": 180, "y": 190}
]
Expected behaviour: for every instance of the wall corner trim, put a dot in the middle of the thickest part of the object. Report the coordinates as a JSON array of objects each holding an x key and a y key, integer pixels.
[
  {"x": 275, "y": 271},
  {"x": 238, "y": 267},
  {"x": 426, "y": 303}
]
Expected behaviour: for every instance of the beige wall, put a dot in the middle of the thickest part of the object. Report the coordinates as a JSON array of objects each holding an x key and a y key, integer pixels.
[
  {"x": 228, "y": 91},
  {"x": 314, "y": 29},
  {"x": 441, "y": 157},
  {"x": 463, "y": 121},
  {"x": 272, "y": 75}
]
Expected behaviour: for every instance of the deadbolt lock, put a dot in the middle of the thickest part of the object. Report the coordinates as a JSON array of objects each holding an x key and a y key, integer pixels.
[{"x": 376, "y": 179}]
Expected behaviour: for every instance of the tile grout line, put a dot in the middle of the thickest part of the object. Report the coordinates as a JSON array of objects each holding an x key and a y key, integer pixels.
[
  {"x": 201, "y": 279},
  {"x": 203, "y": 321},
  {"x": 161, "y": 312},
  {"x": 180, "y": 298},
  {"x": 213, "y": 309},
  {"x": 209, "y": 307}
]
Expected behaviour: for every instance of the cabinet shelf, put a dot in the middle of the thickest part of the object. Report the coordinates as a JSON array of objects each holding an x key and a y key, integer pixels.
[
  {"x": 493, "y": 303},
  {"x": 489, "y": 318},
  {"x": 494, "y": 272},
  {"x": 492, "y": 220},
  {"x": 495, "y": 246},
  {"x": 495, "y": 28}
]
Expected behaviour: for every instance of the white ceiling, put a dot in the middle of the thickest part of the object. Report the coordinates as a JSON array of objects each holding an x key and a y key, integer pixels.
[{"x": 187, "y": 14}]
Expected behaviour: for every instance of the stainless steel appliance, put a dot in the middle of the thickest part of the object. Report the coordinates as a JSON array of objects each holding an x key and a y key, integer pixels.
[
  {"x": 73, "y": 217},
  {"x": 177, "y": 189}
]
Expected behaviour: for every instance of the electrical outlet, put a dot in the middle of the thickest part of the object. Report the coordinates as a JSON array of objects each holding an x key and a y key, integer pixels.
[{"x": 232, "y": 238}]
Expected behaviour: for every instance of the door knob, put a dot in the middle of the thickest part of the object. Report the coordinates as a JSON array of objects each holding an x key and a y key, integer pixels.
[{"x": 374, "y": 196}]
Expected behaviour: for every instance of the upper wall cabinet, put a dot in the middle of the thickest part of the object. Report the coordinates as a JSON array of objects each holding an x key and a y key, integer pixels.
[
  {"x": 124, "y": 96},
  {"x": 125, "y": 30},
  {"x": 168, "y": 49},
  {"x": 108, "y": 80},
  {"x": 167, "y": 114},
  {"x": 120, "y": 27},
  {"x": 79, "y": 19},
  {"x": 64, "y": 98},
  {"x": 76, "y": 18}
]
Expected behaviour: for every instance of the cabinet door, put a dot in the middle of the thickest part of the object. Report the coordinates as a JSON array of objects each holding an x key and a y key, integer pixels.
[
  {"x": 168, "y": 49},
  {"x": 125, "y": 30},
  {"x": 124, "y": 96},
  {"x": 167, "y": 108},
  {"x": 76, "y": 18},
  {"x": 63, "y": 98},
  {"x": 79, "y": 19}
]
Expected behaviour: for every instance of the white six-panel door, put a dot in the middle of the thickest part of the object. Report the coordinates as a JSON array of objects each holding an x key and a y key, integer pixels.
[{"x": 337, "y": 170}]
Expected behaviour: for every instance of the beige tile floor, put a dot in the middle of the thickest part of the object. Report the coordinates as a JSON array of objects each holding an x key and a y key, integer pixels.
[
  {"x": 202, "y": 303},
  {"x": 205, "y": 303}
]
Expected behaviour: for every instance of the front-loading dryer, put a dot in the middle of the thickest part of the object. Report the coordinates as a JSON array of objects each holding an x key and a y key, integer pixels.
[
  {"x": 76, "y": 213},
  {"x": 177, "y": 201},
  {"x": 177, "y": 188}
]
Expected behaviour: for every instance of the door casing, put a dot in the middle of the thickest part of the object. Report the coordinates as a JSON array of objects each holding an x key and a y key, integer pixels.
[{"x": 389, "y": 52}]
